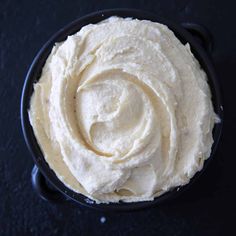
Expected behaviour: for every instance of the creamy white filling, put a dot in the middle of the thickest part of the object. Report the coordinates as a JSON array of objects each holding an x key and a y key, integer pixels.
[{"x": 123, "y": 111}]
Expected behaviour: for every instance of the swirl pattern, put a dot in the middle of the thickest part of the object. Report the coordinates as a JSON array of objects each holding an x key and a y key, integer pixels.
[{"x": 123, "y": 111}]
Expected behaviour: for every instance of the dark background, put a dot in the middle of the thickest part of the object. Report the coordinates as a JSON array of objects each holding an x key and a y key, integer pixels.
[{"x": 208, "y": 208}]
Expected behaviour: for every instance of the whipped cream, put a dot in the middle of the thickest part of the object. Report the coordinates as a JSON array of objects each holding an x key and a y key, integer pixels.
[{"x": 123, "y": 111}]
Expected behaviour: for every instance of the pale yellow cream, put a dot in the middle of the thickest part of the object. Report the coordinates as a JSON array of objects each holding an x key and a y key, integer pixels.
[{"x": 123, "y": 111}]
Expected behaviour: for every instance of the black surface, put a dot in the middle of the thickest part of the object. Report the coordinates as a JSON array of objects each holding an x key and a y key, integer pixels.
[{"x": 208, "y": 208}]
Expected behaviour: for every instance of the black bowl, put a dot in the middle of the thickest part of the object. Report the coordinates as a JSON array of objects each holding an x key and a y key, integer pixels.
[{"x": 35, "y": 71}]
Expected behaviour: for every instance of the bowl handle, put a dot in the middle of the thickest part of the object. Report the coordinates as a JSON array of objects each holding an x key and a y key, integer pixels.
[
  {"x": 41, "y": 187},
  {"x": 201, "y": 33}
]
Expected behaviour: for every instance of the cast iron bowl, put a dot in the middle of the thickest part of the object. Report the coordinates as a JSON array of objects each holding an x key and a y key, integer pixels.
[{"x": 186, "y": 33}]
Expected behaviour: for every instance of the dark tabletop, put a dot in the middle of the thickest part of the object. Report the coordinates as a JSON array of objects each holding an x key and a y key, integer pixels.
[{"x": 207, "y": 208}]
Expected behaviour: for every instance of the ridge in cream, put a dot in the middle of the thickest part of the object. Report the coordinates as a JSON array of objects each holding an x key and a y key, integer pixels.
[{"x": 123, "y": 111}]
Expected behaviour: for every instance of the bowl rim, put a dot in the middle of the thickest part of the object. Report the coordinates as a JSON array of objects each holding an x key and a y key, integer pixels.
[{"x": 34, "y": 74}]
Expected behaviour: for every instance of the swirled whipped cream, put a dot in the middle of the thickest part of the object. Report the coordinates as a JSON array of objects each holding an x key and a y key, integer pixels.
[{"x": 123, "y": 111}]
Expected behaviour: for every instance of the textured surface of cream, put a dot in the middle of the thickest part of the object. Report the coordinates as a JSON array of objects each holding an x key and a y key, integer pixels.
[{"x": 123, "y": 111}]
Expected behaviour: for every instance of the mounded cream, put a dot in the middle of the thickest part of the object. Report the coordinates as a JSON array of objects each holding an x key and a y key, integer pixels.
[{"x": 123, "y": 111}]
